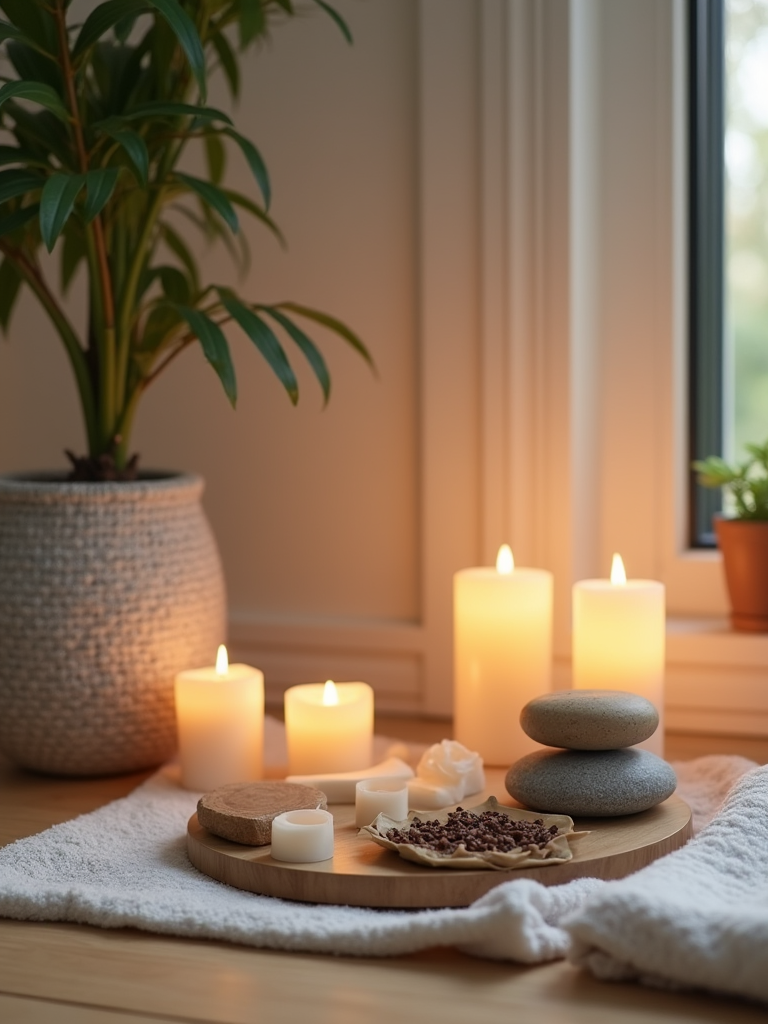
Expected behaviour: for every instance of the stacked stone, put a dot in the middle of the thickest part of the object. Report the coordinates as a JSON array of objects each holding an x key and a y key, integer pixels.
[{"x": 600, "y": 773}]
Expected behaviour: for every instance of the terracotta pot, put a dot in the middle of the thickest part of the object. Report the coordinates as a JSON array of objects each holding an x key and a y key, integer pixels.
[
  {"x": 106, "y": 592},
  {"x": 744, "y": 544}
]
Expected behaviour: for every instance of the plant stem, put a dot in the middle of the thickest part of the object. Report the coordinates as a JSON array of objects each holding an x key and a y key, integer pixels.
[
  {"x": 66, "y": 332},
  {"x": 98, "y": 261}
]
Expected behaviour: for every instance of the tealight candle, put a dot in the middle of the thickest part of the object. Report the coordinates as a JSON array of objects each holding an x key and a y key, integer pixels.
[
  {"x": 618, "y": 639},
  {"x": 329, "y": 728},
  {"x": 502, "y": 622},
  {"x": 220, "y": 719},
  {"x": 302, "y": 837},
  {"x": 380, "y": 796}
]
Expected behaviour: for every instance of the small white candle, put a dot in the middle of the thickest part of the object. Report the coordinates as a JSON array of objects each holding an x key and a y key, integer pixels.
[
  {"x": 502, "y": 622},
  {"x": 619, "y": 639},
  {"x": 302, "y": 837},
  {"x": 329, "y": 727},
  {"x": 380, "y": 796},
  {"x": 220, "y": 719}
]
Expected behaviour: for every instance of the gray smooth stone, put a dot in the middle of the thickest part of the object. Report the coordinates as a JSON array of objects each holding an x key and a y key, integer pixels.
[
  {"x": 593, "y": 783},
  {"x": 589, "y": 719}
]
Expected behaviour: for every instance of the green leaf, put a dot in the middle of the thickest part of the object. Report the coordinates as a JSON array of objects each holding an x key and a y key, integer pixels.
[
  {"x": 8, "y": 31},
  {"x": 162, "y": 324},
  {"x": 186, "y": 33},
  {"x": 101, "y": 185},
  {"x": 73, "y": 252},
  {"x": 160, "y": 108},
  {"x": 103, "y": 18},
  {"x": 265, "y": 340},
  {"x": 214, "y": 151},
  {"x": 56, "y": 202},
  {"x": 342, "y": 25},
  {"x": 255, "y": 162},
  {"x": 42, "y": 132},
  {"x": 136, "y": 148},
  {"x": 108, "y": 14},
  {"x": 176, "y": 286},
  {"x": 252, "y": 21},
  {"x": 10, "y": 283},
  {"x": 36, "y": 92},
  {"x": 311, "y": 351},
  {"x": 18, "y": 219},
  {"x": 333, "y": 325},
  {"x": 248, "y": 204},
  {"x": 215, "y": 348},
  {"x": 228, "y": 62},
  {"x": 180, "y": 250},
  {"x": 124, "y": 27},
  {"x": 16, "y": 182},
  {"x": 31, "y": 19},
  {"x": 17, "y": 155},
  {"x": 214, "y": 197},
  {"x": 33, "y": 64}
]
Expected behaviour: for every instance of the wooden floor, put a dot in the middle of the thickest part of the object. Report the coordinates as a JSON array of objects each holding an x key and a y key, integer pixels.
[{"x": 70, "y": 974}]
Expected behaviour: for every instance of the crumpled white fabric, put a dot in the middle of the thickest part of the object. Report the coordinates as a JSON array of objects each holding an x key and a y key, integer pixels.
[
  {"x": 696, "y": 918},
  {"x": 125, "y": 865}
]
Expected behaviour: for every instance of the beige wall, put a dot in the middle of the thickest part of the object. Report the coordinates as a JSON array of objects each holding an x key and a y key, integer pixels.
[{"x": 318, "y": 512}]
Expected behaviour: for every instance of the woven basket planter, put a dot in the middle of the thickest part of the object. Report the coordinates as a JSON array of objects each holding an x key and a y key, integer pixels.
[{"x": 106, "y": 592}]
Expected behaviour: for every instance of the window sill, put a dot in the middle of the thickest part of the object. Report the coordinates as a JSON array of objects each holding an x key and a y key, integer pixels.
[{"x": 716, "y": 678}]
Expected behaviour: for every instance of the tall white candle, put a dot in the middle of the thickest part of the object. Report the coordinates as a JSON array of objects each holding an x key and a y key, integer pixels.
[
  {"x": 220, "y": 719},
  {"x": 329, "y": 728},
  {"x": 302, "y": 837},
  {"x": 618, "y": 639},
  {"x": 502, "y": 620}
]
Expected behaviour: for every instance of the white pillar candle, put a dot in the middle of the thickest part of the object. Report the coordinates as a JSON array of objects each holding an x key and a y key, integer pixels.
[
  {"x": 220, "y": 719},
  {"x": 380, "y": 796},
  {"x": 302, "y": 837},
  {"x": 502, "y": 621},
  {"x": 329, "y": 727},
  {"x": 618, "y": 639}
]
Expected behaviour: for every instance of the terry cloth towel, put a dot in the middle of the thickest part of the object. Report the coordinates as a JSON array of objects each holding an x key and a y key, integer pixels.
[
  {"x": 125, "y": 865},
  {"x": 698, "y": 917}
]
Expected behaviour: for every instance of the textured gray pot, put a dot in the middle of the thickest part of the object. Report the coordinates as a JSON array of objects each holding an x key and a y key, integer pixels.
[{"x": 106, "y": 591}]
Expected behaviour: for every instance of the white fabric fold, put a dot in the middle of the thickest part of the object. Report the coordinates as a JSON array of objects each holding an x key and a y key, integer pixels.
[
  {"x": 125, "y": 865},
  {"x": 696, "y": 918}
]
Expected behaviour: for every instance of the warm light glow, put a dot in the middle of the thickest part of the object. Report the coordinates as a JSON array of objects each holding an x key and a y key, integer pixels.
[
  {"x": 505, "y": 563},
  {"x": 222, "y": 661},
  {"x": 618, "y": 575},
  {"x": 330, "y": 694}
]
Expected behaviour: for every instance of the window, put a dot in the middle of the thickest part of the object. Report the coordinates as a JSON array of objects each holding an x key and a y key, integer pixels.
[{"x": 728, "y": 117}]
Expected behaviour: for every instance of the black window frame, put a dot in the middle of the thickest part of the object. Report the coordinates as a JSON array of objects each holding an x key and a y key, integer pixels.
[{"x": 706, "y": 253}]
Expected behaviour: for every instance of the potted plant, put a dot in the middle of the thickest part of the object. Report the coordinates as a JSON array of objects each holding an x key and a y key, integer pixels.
[
  {"x": 110, "y": 581},
  {"x": 743, "y": 538}
]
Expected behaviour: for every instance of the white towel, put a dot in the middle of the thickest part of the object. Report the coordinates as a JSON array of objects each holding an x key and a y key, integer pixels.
[
  {"x": 698, "y": 917},
  {"x": 125, "y": 865}
]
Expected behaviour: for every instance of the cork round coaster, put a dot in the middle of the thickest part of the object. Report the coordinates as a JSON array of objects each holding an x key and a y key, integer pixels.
[{"x": 243, "y": 811}]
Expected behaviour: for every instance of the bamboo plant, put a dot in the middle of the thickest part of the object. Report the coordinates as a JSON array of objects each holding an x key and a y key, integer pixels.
[{"x": 97, "y": 117}]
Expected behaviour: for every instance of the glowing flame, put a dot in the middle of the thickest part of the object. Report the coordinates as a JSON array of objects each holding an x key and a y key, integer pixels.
[
  {"x": 505, "y": 563},
  {"x": 330, "y": 694},
  {"x": 618, "y": 574},
  {"x": 222, "y": 661}
]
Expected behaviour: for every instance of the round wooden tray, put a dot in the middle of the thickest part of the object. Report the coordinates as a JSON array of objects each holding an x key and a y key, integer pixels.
[{"x": 363, "y": 874}]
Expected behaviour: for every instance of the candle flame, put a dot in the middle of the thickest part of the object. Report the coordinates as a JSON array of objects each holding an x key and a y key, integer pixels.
[
  {"x": 505, "y": 563},
  {"x": 618, "y": 573},
  {"x": 222, "y": 661},
  {"x": 330, "y": 694}
]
